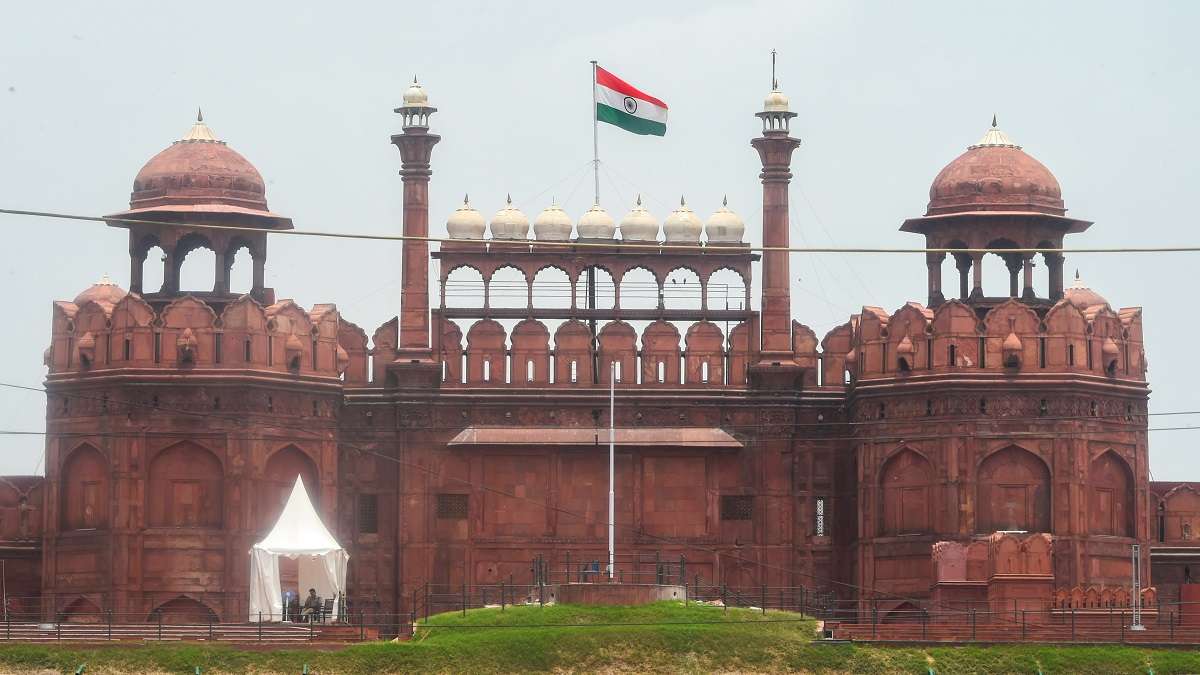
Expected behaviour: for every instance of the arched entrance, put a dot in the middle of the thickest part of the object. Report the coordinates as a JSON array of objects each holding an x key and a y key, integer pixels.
[{"x": 1013, "y": 490}]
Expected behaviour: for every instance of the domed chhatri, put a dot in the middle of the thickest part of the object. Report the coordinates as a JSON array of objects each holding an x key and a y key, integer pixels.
[
  {"x": 510, "y": 223},
  {"x": 1081, "y": 296},
  {"x": 104, "y": 291},
  {"x": 639, "y": 224},
  {"x": 552, "y": 224},
  {"x": 199, "y": 169},
  {"x": 596, "y": 224},
  {"x": 776, "y": 101},
  {"x": 683, "y": 226},
  {"x": 995, "y": 174},
  {"x": 724, "y": 226},
  {"x": 466, "y": 222}
]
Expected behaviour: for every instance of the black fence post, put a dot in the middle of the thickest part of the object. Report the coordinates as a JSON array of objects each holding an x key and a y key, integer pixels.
[
  {"x": 160, "y": 626},
  {"x": 541, "y": 594},
  {"x": 924, "y": 624},
  {"x": 110, "y": 623},
  {"x": 501, "y": 595},
  {"x": 58, "y": 627},
  {"x": 1171, "y": 623},
  {"x": 210, "y": 628},
  {"x": 260, "y": 626},
  {"x": 972, "y": 624},
  {"x": 567, "y": 571},
  {"x": 764, "y": 599},
  {"x": 426, "y": 601},
  {"x": 874, "y": 621},
  {"x": 1072, "y": 624},
  {"x": 1022, "y": 625},
  {"x": 362, "y": 626},
  {"x": 685, "y": 594},
  {"x": 464, "y": 598},
  {"x": 312, "y": 628},
  {"x": 724, "y": 604}
]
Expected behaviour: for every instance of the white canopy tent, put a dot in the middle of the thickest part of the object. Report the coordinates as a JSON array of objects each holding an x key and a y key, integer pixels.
[{"x": 298, "y": 534}]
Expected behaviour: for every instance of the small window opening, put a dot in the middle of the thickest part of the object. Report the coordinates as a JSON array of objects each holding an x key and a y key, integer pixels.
[
  {"x": 368, "y": 514},
  {"x": 574, "y": 371},
  {"x": 617, "y": 368},
  {"x": 982, "y": 352},
  {"x": 529, "y": 371},
  {"x": 929, "y": 407},
  {"x": 1042, "y": 352},
  {"x": 270, "y": 404},
  {"x": 1070, "y": 355},
  {"x": 314, "y": 354},
  {"x": 246, "y": 350},
  {"x": 270, "y": 351},
  {"x": 127, "y": 350},
  {"x": 704, "y": 372},
  {"x": 737, "y": 507},
  {"x": 846, "y": 376},
  {"x": 983, "y": 406},
  {"x": 157, "y": 347},
  {"x": 819, "y": 516},
  {"x": 104, "y": 403},
  {"x": 928, "y": 354},
  {"x": 1043, "y": 408},
  {"x": 953, "y": 356},
  {"x": 452, "y": 506},
  {"x": 882, "y": 411},
  {"x": 216, "y": 403},
  {"x": 217, "y": 347},
  {"x": 66, "y": 405},
  {"x": 314, "y": 408},
  {"x": 155, "y": 401},
  {"x": 662, "y": 372},
  {"x": 1092, "y": 409},
  {"x": 1089, "y": 355},
  {"x": 487, "y": 371}
]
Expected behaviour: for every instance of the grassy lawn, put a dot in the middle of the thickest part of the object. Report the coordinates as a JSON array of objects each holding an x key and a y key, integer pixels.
[{"x": 664, "y": 637}]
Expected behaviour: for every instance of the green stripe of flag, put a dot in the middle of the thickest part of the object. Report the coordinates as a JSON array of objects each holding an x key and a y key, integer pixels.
[{"x": 628, "y": 122}]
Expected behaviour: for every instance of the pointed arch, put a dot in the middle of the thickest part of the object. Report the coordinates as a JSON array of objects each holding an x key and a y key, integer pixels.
[
  {"x": 1012, "y": 492},
  {"x": 182, "y": 610},
  {"x": 279, "y": 475},
  {"x": 84, "y": 484},
  {"x": 185, "y": 487},
  {"x": 1110, "y": 496},
  {"x": 906, "y": 494}
]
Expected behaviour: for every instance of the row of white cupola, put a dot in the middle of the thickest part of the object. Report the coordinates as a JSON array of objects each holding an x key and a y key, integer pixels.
[{"x": 683, "y": 226}]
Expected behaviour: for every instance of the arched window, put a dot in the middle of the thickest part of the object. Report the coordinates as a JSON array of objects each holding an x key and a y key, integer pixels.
[
  {"x": 1110, "y": 496},
  {"x": 185, "y": 488},
  {"x": 906, "y": 494},
  {"x": 1013, "y": 492},
  {"x": 84, "y": 485}
]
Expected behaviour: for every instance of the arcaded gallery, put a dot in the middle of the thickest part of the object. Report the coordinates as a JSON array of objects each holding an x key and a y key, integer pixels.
[{"x": 986, "y": 446}]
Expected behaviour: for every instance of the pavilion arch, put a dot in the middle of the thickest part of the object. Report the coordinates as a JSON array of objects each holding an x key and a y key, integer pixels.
[
  {"x": 530, "y": 352},
  {"x": 1012, "y": 492},
  {"x": 726, "y": 288},
  {"x": 84, "y": 485},
  {"x": 463, "y": 287},
  {"x": 1110, "y": 496},
  {"x": 640, "y": 288},
  {"x": 238, "y": 272},
  {"x": 279, "y": 475},
  {"x": 508, "y": 287},
  {"x": 552, "y": 288},
  {"x": 486, "y": 351},
  {"x": 183, "y": 610},
  {"x": 617, "y": 343},
  {"x": 148, "y": 249},
  {"x": 705, "y": 361},
  {"x": 962, "y": 263},
  {"x": 193, "y": 278},
  {"x": 906, "y": 493},
  {"x": 1011, "y": 262},
  {"x": 1050, "y": 262},
  {"x": 185, "y": 487},
  {"x": 683, "y": 288},
  {"x": 606, "y": 289}
]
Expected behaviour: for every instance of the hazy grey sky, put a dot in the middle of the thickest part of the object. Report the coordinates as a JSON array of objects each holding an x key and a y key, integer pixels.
[{"x": 1105, "y": 94}]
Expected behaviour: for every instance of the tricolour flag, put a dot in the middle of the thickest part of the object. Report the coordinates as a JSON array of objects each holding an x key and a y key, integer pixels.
[{"x": 626, "y": 106}]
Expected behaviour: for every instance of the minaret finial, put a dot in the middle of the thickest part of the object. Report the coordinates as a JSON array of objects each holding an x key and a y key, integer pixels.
[
  {"x": 466, "y": 198},
  {"x": 993, "y": 120},
  {"x": 1076, "y": 274},
  {"x": 725, "y": 200},
  {"x": 639, "y": 199},
  {"x": 508, "y": 199},
  {"x": 774, "y": 80},
  {"x": 199, "y": 115},
  {"x": 414, "y": 78},
  {"x": 682, "y": 203}
]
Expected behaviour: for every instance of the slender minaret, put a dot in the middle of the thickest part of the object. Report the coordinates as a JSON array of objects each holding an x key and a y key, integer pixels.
[
  {"x": 416, "y": 147},
  {"x": 776, "y": 366}
]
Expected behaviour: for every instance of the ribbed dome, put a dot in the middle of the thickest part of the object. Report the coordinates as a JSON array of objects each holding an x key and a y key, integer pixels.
[
  {"x": 775, "y": 101},
  {"x": 683, "y": 225},
  {"x": 466, "y": 222},
  {"x": 596, "y": 224},
  {"x": 639, "y": 224},
  {"x": 415, "y": 94},
  {"x": 724, "y": 226},
  {"x": 199, "y": 169},
  {"x": 1081, "y": 296},
  {"x": 103, "y": 291},
  {"x": 510, "y": 223},
  {"x": 552, "y": 224},
  {"x": 995, "y": 174}
]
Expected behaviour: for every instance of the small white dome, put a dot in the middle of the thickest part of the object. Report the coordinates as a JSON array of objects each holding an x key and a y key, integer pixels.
[
  {"x": 776, "y": 101},
  {"x": 596, "y": 224},
  {"x": 639, "y": 224},
  {"x": 466, "y": 222},
  {"x": 552, "y": 224},
  {"x": 724, "y": 226},
  {"x": 683, "y": 226},
  {"x": 415, "y": 95},
  {"x": 510, "y": 223}
]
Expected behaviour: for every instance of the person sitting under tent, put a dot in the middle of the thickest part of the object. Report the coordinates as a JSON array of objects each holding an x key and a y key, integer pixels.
[{"x": 312, "y": 605}]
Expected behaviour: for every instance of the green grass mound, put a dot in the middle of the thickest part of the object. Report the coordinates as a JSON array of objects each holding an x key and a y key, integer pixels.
[{"x": 666, "y": 637}]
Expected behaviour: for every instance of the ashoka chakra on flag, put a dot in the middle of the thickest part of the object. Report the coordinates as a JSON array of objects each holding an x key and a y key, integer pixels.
[{"x": 626, "y": 106}]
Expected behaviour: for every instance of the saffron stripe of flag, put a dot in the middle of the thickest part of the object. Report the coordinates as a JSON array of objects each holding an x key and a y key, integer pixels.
[{"x": 624, "y": 105}]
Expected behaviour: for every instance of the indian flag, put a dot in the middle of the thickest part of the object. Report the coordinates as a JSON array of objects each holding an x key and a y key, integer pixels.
[{"x": 626, "y": 106}]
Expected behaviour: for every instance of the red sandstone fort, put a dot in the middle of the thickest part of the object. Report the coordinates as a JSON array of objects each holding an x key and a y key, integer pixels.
[{"x": 989, "y": 445}]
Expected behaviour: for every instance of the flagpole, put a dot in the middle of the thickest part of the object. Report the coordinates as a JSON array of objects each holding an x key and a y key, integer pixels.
[
  {"x": 612, "y": 396},
  {"x": 595, "y": 141}
]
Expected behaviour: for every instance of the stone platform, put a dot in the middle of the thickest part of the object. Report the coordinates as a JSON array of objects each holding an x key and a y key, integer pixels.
[{"x": 612, "y": 594}]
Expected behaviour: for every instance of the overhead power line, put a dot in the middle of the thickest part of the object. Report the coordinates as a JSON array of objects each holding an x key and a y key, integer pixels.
[{"x": 695, "y": 248}]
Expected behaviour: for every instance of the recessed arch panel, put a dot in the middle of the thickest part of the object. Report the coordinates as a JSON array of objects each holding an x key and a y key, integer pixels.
[{"x": 1013, "y": 492}]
